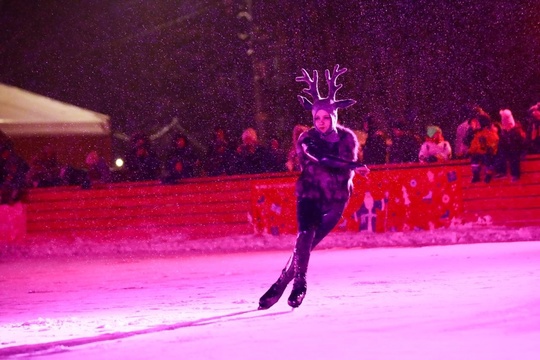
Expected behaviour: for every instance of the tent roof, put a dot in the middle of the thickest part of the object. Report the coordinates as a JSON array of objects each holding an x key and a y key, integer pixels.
[{"x": 24, "y": 113}]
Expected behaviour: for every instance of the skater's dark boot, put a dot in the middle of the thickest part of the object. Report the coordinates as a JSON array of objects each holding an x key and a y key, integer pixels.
[
  {"x": 298, "y": 292},
  {"x": 300, "y": 264},
  {"x": 277, "y": 289}
]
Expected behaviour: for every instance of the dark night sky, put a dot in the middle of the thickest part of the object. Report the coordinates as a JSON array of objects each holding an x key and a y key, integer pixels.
[{"x": 145, "y": 62}]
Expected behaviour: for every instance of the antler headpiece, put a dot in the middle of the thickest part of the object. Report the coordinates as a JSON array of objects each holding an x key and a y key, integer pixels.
[{"x": 329, "y": 103}]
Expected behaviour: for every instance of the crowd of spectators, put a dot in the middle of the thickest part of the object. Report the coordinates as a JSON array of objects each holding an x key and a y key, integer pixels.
[{"x": 494, "y": 145}]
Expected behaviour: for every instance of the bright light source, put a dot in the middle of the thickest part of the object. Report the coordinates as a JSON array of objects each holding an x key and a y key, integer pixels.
[{"x": 119, "y": 162}]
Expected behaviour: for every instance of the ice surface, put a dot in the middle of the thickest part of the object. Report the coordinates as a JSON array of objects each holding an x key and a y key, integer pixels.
[{"x": 465, "y": 301}]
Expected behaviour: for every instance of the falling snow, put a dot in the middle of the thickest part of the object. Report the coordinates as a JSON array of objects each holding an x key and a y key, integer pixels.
[{"x": 145, "y": 63}]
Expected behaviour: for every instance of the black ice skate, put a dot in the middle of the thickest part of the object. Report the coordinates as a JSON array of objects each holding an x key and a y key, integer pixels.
[
  {"x": 298, "y": 292},
  {"x": 272, "y": 295},
  {"x": 277, "y": 289}
]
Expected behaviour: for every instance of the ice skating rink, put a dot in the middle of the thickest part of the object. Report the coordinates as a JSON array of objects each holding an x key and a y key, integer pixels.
[{"x": 474, "y": 301}]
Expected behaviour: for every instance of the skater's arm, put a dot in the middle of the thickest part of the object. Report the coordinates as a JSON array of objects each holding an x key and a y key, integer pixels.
[
  {"x": 317, "y": 154},
  {"x": 335, "y": 162}
]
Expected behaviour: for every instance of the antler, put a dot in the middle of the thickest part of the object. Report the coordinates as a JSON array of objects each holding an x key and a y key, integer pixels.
[
  {"x": 313, "y": 87},
  {"x": 333, "y": 86}
]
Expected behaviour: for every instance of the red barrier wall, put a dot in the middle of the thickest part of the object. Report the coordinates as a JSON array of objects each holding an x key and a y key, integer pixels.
[
  {"x": 400, "y": 199},
  {"x": 392, "y": 198}
]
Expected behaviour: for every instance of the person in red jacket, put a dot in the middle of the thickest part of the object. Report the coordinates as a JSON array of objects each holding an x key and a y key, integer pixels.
[{"x": 484, "y": 147}]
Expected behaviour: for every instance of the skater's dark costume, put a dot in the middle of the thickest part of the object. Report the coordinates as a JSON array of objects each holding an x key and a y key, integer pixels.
[{"x": 328, "y": 157}]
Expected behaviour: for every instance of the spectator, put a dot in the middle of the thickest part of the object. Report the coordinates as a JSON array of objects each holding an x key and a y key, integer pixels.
[
  {"x": 293, "y": 163},
  {"x": 97, "y": 169},
  {"x": 219, "y": 156},
  {"x": 375, "y": 150},
  {"x": 362, "y": 135},
  {"x": 461, "y": 145},
  {"x": 483, "y": 148},
  {"x": 404, "y": 145},
  {"x": 466, "y": 131},
  {"x": 278, "y": 157},
  {"x": 141, "y": 162},
  {"x": 511, "y": 145},
  {"x": 533, "y": 133},
  {"x": 13, "y": 170},
  {"x": 70, "y": 176},
  {"x": 45, "y": 169},
  {"x": 499, "y": 168},
  {"x": 474, "y": 127},
  {"x": 182, "y": 161},
  {"x": 461, "y": 134},
  {"x": 251, "y": 157},
  {"x": 434, "y": 148}
]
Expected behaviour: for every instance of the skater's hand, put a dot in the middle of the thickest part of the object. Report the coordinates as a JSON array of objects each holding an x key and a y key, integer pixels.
[
  {"x": 312, "y": 147},
  {"x": 362, "y": 171}
]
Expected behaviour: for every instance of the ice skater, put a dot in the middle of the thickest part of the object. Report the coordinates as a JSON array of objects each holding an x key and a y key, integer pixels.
[{"x": 328, "y": 157}]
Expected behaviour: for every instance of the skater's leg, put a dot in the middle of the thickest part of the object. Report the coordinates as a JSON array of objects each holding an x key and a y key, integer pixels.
[
  {"x": 330, "y": 218},
  {"x": 323, "y": 220},
  {"x": 300, "y": 264},
  {"x": 309, "y": 216},
  {"x": 297, "y": 265}
]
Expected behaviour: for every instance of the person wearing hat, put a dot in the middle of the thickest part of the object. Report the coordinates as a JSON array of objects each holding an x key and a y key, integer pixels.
[
  {"x": 484, "y": 147},
  {"x": 327, "y": 154},
  {"x": 435, "y": 148}
]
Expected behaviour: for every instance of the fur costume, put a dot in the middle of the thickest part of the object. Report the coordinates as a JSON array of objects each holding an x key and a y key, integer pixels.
[{"x": 317, "y": 180}]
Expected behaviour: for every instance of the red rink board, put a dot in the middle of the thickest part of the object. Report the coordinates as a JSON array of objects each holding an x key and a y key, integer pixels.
[{"x": 400, "y": 200}]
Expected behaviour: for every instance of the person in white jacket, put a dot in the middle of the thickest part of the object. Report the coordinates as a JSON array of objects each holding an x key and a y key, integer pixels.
[{"x": 435, "y": 148}]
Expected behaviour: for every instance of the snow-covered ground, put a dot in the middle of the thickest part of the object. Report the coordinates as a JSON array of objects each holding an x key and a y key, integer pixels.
[{"x": 464, "y": 301}]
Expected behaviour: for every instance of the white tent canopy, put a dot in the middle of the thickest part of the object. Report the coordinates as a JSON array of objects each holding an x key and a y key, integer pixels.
[{"x": 23, "y": 113}]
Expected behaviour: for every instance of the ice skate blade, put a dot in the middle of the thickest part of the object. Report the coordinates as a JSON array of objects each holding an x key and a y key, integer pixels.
[{"x": 267, "y": 304}]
